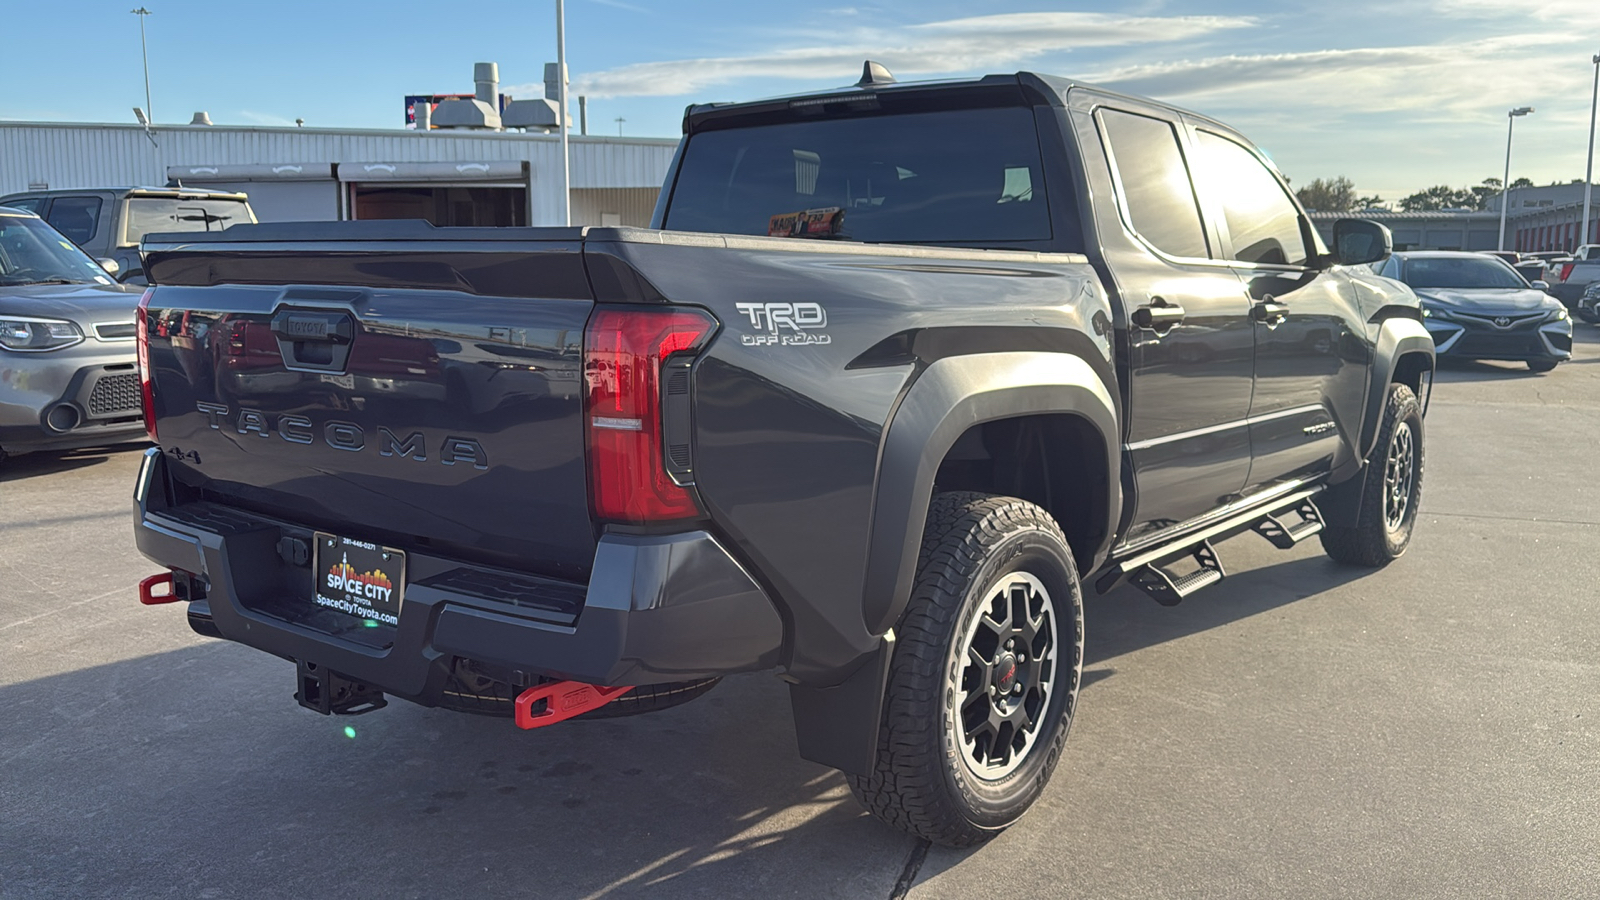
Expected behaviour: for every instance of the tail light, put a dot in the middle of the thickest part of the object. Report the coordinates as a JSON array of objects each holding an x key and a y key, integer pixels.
[
  {"x": 623, "y": 356},
  {"x": 147, "y": 397},
  {"x": 1566, "y": 270}
]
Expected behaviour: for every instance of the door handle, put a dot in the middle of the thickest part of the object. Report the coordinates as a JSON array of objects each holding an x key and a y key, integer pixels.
[
  {"x": 1159, "y": 315},
  {"x": 1270, "y": 312}
]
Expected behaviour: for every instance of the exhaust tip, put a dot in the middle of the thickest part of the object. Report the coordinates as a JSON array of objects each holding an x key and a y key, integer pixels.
[{"x": 63, "y": 417}]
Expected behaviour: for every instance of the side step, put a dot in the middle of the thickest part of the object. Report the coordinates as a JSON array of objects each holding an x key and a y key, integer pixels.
[
  {"x": 1147, "y": 569},
  {"x": 1284, "y": 536},
  {"x": 1168, "y": 589}
]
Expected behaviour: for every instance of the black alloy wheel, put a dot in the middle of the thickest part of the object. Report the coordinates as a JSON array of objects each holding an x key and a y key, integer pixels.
[
  {"x": 1390, "y": 489},
  {"x": 984, "y": 681}
]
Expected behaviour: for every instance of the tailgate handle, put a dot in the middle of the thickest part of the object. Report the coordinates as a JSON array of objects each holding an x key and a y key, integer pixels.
[
  {"x": 304, "y": 325},
  {"x": 315, "y": 339}
]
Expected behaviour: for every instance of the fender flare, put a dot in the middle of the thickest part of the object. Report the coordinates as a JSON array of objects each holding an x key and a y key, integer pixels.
[
  {"x": 952, "y": 395},
  {"x": 1398, "y": 336}
]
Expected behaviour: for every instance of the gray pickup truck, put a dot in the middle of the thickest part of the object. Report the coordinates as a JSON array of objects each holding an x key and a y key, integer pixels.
[
  {"x": 109, "y": 223},
  {"x": 901, "y": 371}
]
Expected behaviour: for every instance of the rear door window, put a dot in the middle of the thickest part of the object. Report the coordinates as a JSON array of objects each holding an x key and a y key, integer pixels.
[
  {"x": 77, "y": 218},
  {"x": 969, "y": 176},
  {"x": 31, "y": 204},
  {"x": 1263, "y": 222},
  {"x": 147, "y": 215},
  {"x": 1153, "y": 183}
]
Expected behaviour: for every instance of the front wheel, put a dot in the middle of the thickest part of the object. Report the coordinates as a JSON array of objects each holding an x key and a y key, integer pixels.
[
  {"x": 1390, "y": 486},
  {"x": 1541, "y": 365},
  {"x": 984, "y": 680}
]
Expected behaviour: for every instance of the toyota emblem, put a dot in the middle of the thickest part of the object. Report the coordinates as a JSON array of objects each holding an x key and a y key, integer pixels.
[{"x": 1502, "y": 321}]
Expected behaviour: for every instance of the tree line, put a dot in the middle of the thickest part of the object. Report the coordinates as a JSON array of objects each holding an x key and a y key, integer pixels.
[{"x": 1339, "y": 195}]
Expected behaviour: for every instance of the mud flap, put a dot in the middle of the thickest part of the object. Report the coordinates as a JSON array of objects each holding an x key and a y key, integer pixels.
[{"x": 838, "y": 725}]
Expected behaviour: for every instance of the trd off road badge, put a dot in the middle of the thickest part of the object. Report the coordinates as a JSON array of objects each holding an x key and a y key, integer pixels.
[{"x": 785, "y": 324}]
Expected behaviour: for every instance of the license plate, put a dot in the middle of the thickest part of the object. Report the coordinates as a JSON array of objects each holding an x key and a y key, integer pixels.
[
  {"x": 348, "y": 382},
  {"x": 359, "y": 578}
]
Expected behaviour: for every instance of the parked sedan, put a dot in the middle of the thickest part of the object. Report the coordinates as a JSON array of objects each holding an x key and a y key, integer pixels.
[
  {"x": 67, "y": 350},
  {"x": 1477, "y": 307}
]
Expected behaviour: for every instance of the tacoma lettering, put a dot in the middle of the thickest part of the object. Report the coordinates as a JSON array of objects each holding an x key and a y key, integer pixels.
[{"x": 348, "y": 436}]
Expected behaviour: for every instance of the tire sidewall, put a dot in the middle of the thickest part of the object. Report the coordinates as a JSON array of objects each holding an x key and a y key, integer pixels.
[
  {"x": 1407, "y": 412},
  {"x": 1041, "y": 553}
]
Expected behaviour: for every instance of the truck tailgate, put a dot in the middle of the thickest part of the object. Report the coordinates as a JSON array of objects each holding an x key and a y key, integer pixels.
[{"x": 405, "y": 396}]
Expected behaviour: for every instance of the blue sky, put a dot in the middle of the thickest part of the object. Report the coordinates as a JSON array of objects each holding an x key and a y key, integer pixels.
[{"x": 1397, "y": 95}]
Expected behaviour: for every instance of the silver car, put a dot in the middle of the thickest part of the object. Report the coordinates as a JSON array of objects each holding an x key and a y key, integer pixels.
[{"x": 68, "y": 376}]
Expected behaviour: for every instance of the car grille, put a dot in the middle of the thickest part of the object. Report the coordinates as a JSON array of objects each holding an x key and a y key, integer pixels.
[
  {"x": 115, "y": 394},
  {"x": 1491, "y": 343},
  {"x": 1512, "y": 322},
  {"x": 116, "y": 330}
]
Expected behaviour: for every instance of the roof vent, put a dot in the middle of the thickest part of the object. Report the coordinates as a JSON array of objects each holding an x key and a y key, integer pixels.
[
  {"x": 201, "y": 118},
  {"x": 874, "y": 74}
]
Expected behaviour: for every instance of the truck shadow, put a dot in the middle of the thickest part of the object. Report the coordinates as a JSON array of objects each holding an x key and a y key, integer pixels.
[
  {"x": 192, "y": 773},
  {"x": 1126, "y": 620}
]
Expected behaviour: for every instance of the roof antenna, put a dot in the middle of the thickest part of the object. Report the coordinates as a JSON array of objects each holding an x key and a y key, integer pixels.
[{"x": 874, "y": 74}]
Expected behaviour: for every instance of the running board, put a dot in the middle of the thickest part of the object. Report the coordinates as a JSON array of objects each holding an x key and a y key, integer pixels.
[
  {"x": 1168, "y": 589},
  {"x": 1285, "y": 536},
  {"x": 1147, "y": 570}
]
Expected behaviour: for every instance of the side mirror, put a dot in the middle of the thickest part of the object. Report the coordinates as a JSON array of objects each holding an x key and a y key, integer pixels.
[
  {"x": 110, "y": 265},
  {"x": 1357, "y": 241},
  {"x": 1542, "y": 285}
]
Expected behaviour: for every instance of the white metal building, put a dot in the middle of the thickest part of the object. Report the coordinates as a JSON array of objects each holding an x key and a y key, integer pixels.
[{"x": 455, "y": 177}]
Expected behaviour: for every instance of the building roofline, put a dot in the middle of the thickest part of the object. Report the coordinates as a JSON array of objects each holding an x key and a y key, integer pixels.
[{"x": 361, "y": 132}]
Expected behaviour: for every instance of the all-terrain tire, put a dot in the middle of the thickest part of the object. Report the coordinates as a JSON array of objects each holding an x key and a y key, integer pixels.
[
  {"x": 985, "y": 560},
  {"x": 1380, "y": 534}
]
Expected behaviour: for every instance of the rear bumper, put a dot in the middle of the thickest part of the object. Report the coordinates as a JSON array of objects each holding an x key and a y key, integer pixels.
[{"x": 658, "y": 608}]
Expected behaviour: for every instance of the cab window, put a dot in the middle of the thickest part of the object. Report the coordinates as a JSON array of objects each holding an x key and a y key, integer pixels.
[
  {"x": 78, "y": 218},
  {"x": 1263, "y": 222},
  {"x": 1153, "y": 182}
]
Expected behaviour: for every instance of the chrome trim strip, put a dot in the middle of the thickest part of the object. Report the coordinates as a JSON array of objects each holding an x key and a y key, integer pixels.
[{"x": 1225, "y": 426}]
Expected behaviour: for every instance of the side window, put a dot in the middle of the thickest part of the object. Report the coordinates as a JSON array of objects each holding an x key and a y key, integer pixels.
[
  {"x": 1263, "y": 221},
  {"x": 78, "y": 218},
  {"x": 31, "y": 204},
  {"x": 1154, "y": 182}
]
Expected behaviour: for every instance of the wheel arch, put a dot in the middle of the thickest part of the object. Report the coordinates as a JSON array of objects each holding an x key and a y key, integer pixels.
[
  {"x": 1403, "y": 353},
  {"x": 1055, "y": 399}
]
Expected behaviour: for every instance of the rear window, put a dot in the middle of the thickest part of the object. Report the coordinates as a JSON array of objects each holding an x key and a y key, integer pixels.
[
  {"x": 147, "y": 215},
  {"x": 963, "y": 177},
  {"x": 76, "y": 217}
]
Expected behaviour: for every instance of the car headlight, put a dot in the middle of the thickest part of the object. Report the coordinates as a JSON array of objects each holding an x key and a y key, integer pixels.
[
  {"x": 1430, "y": 311},
  {"x": 37, "y": 334}
]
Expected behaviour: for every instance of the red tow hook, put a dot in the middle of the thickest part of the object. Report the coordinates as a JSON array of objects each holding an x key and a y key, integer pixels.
[
  {"x": 147, "y": 590},
  {"x": 566, "y": 699}
]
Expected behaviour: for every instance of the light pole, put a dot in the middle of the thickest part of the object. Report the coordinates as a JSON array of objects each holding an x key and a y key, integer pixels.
[
  {"x": 1588, "y": 172},
  {"x": 144, "y": 51},
  {"x": 561, "y": 114},
  {"x": 1505, "y": 186}
]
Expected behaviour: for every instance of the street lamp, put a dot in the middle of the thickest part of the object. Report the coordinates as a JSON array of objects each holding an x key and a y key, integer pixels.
[
  {"x": 1588, "y": 172},
  {"x": 561, "y": 115},
  {"x": 141, "y": 12},
  {"x": 1505, "y": 186}
]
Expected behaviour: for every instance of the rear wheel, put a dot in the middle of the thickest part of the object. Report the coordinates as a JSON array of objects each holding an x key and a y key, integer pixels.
[
  {"x": 1542, "y": 365},
  {"x": 985, "y": 674},
  {"x": 1391, "y": 489}
]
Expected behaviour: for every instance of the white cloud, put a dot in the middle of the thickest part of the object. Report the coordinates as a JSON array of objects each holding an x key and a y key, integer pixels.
[
  {"x": 1542, "y": 10},
  {"x": 956, "y": 45},
  {"x": 1430, "y": 82}
]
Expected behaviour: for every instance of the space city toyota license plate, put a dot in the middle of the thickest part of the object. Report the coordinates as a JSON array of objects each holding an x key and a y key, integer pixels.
[{"x": 359, "y": 578}]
